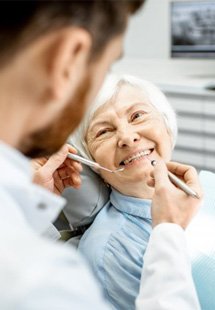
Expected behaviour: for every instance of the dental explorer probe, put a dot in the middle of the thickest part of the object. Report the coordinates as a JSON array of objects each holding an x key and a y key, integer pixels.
[
  {"x": 91, "y": 163},
  {"x": 179, "y": 183}
]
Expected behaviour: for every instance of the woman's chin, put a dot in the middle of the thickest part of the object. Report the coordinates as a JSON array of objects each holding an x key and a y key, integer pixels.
[
  {"x": 137, "y": 167},
  {"x": 140, "y": 175}
]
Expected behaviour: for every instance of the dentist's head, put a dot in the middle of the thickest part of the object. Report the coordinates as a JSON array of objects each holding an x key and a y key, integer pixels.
[{"x": 53, "y": 59}]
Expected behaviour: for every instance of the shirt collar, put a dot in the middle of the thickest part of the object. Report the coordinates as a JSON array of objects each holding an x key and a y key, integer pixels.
[
  {"x": 39, "y": 206},
  {"x": 131, "y": 205}
]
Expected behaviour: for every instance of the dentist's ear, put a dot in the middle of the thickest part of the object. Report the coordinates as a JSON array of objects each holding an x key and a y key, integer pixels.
[{"x": 67, "y": 61}]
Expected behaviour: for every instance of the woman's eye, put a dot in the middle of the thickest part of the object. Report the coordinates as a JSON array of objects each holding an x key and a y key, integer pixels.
[
  {"x": 102, "y": 132},
  {"x": 137, "y": 115}
]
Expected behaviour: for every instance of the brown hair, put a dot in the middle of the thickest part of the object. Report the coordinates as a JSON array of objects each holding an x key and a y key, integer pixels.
[{"x": 21, "y": 22}]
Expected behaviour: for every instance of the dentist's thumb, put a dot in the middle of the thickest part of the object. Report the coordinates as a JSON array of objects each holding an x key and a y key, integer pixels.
[
  {"x": 162, "y": 204},
  {"x": 160, "y": 175}
]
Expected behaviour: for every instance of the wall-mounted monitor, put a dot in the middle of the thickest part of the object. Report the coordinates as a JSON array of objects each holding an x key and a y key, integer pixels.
[{"x": 193, "y": 29}]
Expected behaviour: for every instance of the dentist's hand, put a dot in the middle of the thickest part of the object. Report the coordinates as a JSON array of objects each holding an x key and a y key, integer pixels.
[
  {"x": 57, "y": 172},
  {"x": 169, "y": 203}
]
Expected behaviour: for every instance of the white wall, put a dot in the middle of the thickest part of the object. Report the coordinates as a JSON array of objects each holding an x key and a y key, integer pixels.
[
  {"x": 148, "y": 32},
  {"x": 148, "y": 40}
]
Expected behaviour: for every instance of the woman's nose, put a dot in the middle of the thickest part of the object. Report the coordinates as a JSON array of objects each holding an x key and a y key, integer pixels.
[{"x": 127, "y": 139}]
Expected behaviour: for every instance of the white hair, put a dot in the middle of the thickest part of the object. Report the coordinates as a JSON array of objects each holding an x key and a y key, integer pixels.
[{"x": 110, "y": 88}]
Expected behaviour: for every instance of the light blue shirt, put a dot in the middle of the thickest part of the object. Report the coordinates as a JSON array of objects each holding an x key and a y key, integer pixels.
[
  {"x": 116, "y": 242},
  {"x": 115, "y": 245},
  {"x": 36, "y": 273}
]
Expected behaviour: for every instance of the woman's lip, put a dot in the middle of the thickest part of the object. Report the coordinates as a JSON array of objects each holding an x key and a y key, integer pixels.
[{"x": 134, "y": 162}]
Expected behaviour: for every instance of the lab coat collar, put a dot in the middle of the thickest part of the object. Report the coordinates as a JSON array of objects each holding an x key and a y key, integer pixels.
[{"x": 39, "y": 206}]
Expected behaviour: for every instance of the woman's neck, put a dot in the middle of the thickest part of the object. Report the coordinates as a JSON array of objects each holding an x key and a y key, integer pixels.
[{"x": 140, "y": 190}]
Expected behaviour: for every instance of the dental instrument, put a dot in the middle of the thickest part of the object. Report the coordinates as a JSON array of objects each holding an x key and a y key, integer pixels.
[
  {"x": 179, "y": 183},
  {"x": 91, "y": 163}
]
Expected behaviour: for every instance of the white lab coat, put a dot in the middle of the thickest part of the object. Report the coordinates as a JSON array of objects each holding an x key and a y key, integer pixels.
[
  {"x": 166, "y": 281},
  {"x": 36, "y": 273}
]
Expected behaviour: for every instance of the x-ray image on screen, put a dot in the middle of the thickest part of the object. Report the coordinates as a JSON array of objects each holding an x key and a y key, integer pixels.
[{"x": 193, "y": 29}]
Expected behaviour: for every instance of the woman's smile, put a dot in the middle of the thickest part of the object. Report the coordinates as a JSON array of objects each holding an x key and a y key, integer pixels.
[{"x": 136, "y": 158}]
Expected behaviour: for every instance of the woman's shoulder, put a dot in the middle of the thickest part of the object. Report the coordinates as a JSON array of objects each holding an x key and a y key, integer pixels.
[{"x": 207, "y": 180}]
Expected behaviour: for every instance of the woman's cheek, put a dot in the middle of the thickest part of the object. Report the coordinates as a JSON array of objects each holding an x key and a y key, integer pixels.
[
  {"x": 93, "y": 150},
  {"x": 166, "y": 148},
  {"x": 98, "y": 154}
]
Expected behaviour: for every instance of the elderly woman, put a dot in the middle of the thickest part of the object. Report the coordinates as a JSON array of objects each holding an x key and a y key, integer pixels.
[{"x": 130, "y": 124}]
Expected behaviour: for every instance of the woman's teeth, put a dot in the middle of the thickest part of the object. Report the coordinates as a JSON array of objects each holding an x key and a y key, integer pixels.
[{"x": 136, "y": 157}]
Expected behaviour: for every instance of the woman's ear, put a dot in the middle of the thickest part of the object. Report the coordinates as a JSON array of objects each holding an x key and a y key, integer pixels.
[
  {"x": 172, "y": 139},
  {"x": 67, "y": 62}
]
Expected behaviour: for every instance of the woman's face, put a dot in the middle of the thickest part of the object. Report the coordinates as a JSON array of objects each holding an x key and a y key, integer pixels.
[{"x": 124, "y": 133}]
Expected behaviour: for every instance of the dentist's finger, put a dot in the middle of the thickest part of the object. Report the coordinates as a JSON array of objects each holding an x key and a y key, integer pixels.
[{"x": 188, "y": 174}]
